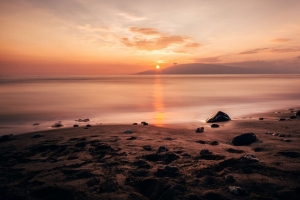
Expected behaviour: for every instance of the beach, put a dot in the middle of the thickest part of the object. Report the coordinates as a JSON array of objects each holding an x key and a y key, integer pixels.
[{"x": 152, "y": 162}]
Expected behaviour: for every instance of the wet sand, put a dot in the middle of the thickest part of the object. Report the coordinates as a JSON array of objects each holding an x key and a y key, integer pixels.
[{"x": 103, "y": 162}]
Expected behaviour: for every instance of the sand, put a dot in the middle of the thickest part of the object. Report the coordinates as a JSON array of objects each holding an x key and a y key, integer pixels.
[{"x": 103, "y": 162}]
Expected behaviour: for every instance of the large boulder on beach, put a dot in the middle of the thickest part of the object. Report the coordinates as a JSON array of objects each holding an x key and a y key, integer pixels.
[
  {"x": 218, "y": 117},
  {"x": 244, "y": 139}
]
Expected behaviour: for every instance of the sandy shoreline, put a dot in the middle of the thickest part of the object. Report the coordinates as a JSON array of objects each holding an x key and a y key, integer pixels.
[{"x": 102, "y": 162}]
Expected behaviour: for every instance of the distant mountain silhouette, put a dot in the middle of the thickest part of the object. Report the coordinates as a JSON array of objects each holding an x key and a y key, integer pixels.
[{"x": 229, "y": 68}]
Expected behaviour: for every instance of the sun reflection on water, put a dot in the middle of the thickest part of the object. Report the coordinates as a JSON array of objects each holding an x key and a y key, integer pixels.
[{"x": 158, "y": 102}]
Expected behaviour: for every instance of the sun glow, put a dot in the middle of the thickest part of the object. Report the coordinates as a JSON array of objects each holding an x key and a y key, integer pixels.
[{"x": 157, "y": 66}]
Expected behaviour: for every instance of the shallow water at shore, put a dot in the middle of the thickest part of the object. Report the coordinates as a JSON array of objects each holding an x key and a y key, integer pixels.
[{"x": 156, "y": 99}]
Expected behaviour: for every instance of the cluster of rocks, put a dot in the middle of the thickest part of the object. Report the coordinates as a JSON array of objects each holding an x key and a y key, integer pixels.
[
  {"x": 82, "y": 120},
  {"x": 280, "y": 135},
  {"x": 5, "y": 138},
  {"x": 143, "y": 123}
]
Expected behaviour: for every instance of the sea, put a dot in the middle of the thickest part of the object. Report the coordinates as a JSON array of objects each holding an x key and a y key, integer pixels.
[{"x": 38, "y": 102}]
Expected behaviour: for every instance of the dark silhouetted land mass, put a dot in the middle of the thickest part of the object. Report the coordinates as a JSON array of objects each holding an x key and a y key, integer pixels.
[{"x": 259, "y": 67}]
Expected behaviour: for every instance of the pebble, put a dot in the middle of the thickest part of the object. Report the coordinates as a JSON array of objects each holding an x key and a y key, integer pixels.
[
  {"x": 237, "y": 191},
  {"x": 200, "y": 130},
  {"x": 128, "y": 131},
  {"x": 229, "y": 178},
  {"x": 214, "y": 143},
  {"x": 205, "y": 152},
  {"x": 215, "y": 125},
  {"x": 162, "y": 149},
  {"x": 286, "y": 140},
  {"x": 250, "y": 156}
]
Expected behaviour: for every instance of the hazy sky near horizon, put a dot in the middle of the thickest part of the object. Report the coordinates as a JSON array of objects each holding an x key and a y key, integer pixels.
[{"x": 122, "y": 37}]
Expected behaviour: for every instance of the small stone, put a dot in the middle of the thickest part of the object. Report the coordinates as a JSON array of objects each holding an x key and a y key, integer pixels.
[
  {"x": 35, "y": 124},
  {"x": 237, "y": 191},
  {"x": 293, "y": 117},
  {"x": 88, "y": 125},
  {"x": 229, "y": 178},
  {"x": 275, "y": 134},
  {"x": 5, "y": 138},
  {"x": 200, "y": 130},
  {"x": 215, "y": 126},
  {"x": 81, "y": 144},
  {"x": 162, "y": 149},
  {"x": 135, "y": 124},
  {"x": 57, "y": 125},
  {"x": 214, "y": 143},
  {"x": 282, "y": 119},
  {"x": 244, "y": 139},
  {"x": 144, "y": 123},
  {"x": 286, "y": 140},
  {"x": 205, "y": 152},
  {"x": 261, "y": 118},
  {"x": 201, "y": 141},
  {"x": 282, "y": 135},
  {"x": 147, "y": 147},
  {"x": 128, "y": 131},
  {"x": 75, "y": 125},
  {"x": 37, "y": 136},
  {"x": 172, "y": 169},
  {"x": 269, "y": 133},
  {"x": 131, "y": 138},
  {"x": 250, "y": 156}
]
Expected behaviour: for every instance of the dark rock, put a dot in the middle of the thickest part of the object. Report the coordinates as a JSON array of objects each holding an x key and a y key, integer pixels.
[
  {"x": 244, "y": 139},
  {"x": 201, "y": 141},
  {"x": 261, "y": 118},
  {"x": 205, "y": 152},
  {"x": 215, "y": 126},
  {"x": 230, "y": 150},
  {"x": 286, "y": 140},
  {"x": 237, "y": 191},
  {"x": 289, "y": 154},
  {"x": 83, "y": 120},
  {"x": 229, "y": 178},
  {"x": 298, "y": 113},
  {"x": 142, "y": 164},
  {"x": 172, "y": 169},
  {"x": 162, "y": 149},
  {"x": 81, "y": 144},
  {"x": 144, "y": 123},
  {"x": 135, "y": 124},
  {"x": 57, "y": 125},
  {"x": 166, "y": 157},
  {"x": 75, "y": 125},
  {"x": 35, "y": 124},
  {"x": 132, "y": 138},
  {"x": 147, "y": 147},
  {"x": 282, "y": 119},
  {"x": 214, "y": 143},
  {"x": 37, "y": 136},
  {"x": 128, "y": 131},
  {"x": 293, "y": 117},
  {"x": 88, "y": 125},
  {"x": 218, "y": 117},
  {"x": 5, "y": 138},
  {"x": 200, "y": 130}
]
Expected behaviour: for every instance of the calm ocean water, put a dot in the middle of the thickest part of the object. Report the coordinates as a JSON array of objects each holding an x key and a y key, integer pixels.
[{"x": 157, "y": 99}]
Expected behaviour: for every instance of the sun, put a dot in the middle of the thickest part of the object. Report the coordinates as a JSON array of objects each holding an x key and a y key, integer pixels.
[{"x": 157, "y": 66}]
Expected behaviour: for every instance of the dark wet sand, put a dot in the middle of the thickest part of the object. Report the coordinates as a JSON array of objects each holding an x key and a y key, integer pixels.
[{"x": 102, "y": 162}]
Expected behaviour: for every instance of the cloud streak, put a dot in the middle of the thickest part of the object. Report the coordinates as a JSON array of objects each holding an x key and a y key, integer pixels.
[{"x": 150, "y": 39}]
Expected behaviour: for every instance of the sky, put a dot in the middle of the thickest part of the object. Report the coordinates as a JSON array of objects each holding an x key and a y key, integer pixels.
[{"x": 100, "y": 37}]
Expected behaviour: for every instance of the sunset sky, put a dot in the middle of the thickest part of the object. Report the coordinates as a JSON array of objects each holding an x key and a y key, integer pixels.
[{"x": 61, "y": 37}]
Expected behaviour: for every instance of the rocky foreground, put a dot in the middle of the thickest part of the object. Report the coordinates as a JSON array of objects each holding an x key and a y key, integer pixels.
[{"x": 149, "y": 162}]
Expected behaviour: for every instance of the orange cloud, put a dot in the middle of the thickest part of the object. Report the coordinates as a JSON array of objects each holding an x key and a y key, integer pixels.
[
  {"x": 254, "y": 51},
  {"x": 151, "y": 39},
  {"x": 286, "y": 50},
  {"x": 145, "y": 31},
  {"x": 280, "y": 40},
  {"x": 209, "y": 59}
]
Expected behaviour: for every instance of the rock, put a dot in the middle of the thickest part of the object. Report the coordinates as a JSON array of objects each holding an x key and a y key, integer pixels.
[
  {"x": 135, "y": 124},
  {"x": 88, "y": 125},
  {"x": 83, "y": 120},
  {"x": 229, "y": 178},
  {"x": 286, "y": 140},
  {"x": 80, "y": 144},
  {"x": 201, "y": 141},
  {"x": 218, "y": 117},
  {"x": 200, "y": 130},
  {"x": 215, "y": 126},
  {"x": 214, "y": 143},
  {"x": 142, "y": 164},
  {"x": 131, "y": 138},
  {"x": 128, "y": 131},
  {"x": 75, "y": 125},
  {"x": 252, "y": 157},
  {"x": 282, "y": 119},
  {"x": 37, "y": 136},
  {"x": 162, "y": 149},
  {"x": 35, "y": 124},
  {"x": 244, "y": 139},
  {"x": 275, "y": 134},
  {"x": 57, "y": 125},
  {"x": 261, "y": 118},
  {"x": 172, "y": 169},
  {"x": 237, "y": 191},
  {"x": 298, "y": 113},
  {"x": 144, "y": 123},
  {"x": 5, "y": 138},
  {"x": 147, "y": 147},
  {"x": 293, "y": 117},
  {"x": 205, "y": 152}
]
